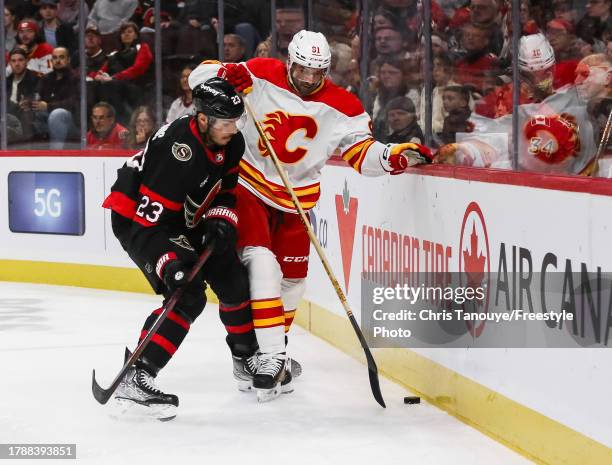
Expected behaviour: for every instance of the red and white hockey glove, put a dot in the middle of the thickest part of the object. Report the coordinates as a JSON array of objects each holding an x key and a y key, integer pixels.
[
  {"x": 396, "y": 158},
  {"x": 238, "y": 76},
  {"x": 220, "y": 225}
]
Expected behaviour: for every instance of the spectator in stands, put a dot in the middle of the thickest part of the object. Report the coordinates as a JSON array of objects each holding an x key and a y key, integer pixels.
[
  {"x": 68, "y": 12},
  {"x": 486, "y": 14},
  {"x": 289, "y": 21},
  {"x": 565, "y": 9},
  {"x": 58, "y": 102},
  {"x": 390, "y": 83},
  {"x": 384, "y": 18},
  {"x": 342, "y": 68},
  {"x": 94, "y": 55},
  {"x": 56, "y": 33},
  {"x": 110, "y": 14},
  {"x": 402, "y": 122},
  {"x": 39, "y": 52},
  {"x": 264, "y": 48},
  {"x": 123, "y": 79},
  {"x": 234, "y": 48},
  {"x": 470, "y": 69},
  {"x": 528, "y": 24},
  {"x": 142, "y": 124},
  {"x": 105, "y": 133},
  {"x": 595, "y": 23},
  {"x": 456, "y": 101},
  {"x": 566, "y": 45},
  {"x": 183, "y": 105},
  {"x": 388, "y": 43},
  {"x": 10, "y": 28},
  {"x": 442, "y": 75},
  {"x": 21, "y": 87}
]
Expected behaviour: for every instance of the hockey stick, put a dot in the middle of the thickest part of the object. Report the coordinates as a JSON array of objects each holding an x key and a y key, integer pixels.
[
  {"x": 372, "y": 368},
  {"x": 592, "y": 168},
  {"x": 103, "y": 395}
]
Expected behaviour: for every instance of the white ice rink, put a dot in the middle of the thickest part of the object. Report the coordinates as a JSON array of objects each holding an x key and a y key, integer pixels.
[{"x": 51, "y": 338}]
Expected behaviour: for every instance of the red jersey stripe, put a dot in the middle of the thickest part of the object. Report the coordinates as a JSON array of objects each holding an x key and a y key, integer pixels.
[
  {"x": 121, "y": 204},
  {"x": 155, "y": 197}
]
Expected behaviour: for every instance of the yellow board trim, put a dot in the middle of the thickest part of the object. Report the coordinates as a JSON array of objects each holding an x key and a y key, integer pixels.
[
  {"x": 531, "y": 434},
  {"x": 537, "y": 437}
]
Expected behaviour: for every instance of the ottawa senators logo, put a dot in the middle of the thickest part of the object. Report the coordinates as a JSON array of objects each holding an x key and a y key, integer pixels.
[{"x": 279, "y": 127}]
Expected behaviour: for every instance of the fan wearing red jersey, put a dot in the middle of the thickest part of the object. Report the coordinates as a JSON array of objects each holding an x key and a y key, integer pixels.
[{"x": 306, "y": 118}]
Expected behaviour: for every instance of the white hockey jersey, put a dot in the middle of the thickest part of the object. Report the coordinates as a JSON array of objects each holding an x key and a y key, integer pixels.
[
  {"x": 556, "y": 136},
  {"x": 304, "y": 132}
]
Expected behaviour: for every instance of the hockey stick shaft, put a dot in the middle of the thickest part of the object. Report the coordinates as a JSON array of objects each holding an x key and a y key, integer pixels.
[
  {"x": 103, "y": 395},
  {"x": 372, "y": 368}
]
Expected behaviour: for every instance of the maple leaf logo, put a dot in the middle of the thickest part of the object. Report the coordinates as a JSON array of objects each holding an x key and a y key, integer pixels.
[
  {"x": 279, "y": 126},
  {"x": 346, "y": 212},
  {"x": 474, "y": 266}
]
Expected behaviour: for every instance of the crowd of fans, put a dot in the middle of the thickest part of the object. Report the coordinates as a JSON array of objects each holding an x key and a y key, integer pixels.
[{"x": 471, "y": 61}]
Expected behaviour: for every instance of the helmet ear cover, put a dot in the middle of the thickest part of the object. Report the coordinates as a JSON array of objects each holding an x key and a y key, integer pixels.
[{"x": 217, "y": 98}]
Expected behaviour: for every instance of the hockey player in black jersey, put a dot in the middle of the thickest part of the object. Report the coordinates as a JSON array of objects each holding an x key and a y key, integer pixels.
[{"x": 168, "y": 202}]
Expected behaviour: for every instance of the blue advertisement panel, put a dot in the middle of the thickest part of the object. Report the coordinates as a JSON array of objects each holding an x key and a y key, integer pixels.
[{"x": 46, "y": 202}]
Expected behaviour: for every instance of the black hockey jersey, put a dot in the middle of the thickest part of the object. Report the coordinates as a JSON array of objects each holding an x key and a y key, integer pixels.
[{"x": 167, "y": 188}]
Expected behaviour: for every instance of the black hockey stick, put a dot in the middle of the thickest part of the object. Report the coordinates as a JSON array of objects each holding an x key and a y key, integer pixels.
[
  {"x": 372, "y": 368},
  {"x": 103, "y": 395}
]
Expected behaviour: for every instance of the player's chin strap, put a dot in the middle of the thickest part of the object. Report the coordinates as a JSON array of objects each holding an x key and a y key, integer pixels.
[{"x": 372, "y": 368}]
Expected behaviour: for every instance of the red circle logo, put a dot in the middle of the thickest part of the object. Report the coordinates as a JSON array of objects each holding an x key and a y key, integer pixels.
[{"x": 475, "y": 259}]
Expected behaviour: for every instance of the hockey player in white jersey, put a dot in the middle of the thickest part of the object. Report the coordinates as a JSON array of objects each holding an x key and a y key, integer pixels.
[
  {"x": 555, "y": 132},
  {"x": 306, "y": 117}
]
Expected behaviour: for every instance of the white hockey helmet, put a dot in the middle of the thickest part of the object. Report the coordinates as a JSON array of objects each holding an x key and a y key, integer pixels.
[
  {"x": 309, "y": 49},
  {"x": 535, "y": 53}
]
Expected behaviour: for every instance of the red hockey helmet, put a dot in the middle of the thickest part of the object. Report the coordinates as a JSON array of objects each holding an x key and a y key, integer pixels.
[{"x": 552, "y": 138}]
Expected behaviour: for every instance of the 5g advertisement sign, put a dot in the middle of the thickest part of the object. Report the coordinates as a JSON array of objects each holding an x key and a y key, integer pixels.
[{"x": 46, "y": 202}]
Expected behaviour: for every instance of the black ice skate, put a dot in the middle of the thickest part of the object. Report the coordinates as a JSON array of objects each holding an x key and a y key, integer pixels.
[
  {"x": 137, "y": 395},
  {"x": 272, "y": 377},
  {"x": 244, "y": 369}
]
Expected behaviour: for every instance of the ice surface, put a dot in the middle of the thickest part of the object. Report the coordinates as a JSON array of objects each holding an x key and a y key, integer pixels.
[{"x": 51, "y": 337}]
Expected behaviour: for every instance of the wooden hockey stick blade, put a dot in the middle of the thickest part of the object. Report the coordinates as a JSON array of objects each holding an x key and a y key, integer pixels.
[
  {"x": 103, "y": 395},
  {"x": 372, "y": 368}
]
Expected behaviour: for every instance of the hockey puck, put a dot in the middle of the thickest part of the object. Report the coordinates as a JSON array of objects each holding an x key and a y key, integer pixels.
[{"x": 412, "y": 400}]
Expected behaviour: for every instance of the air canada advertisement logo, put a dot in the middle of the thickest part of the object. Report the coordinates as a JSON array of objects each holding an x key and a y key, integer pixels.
[{"x": 475, "y": 258}]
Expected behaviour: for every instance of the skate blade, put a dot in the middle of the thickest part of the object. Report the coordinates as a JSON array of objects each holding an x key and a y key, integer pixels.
[
  {"x": 295, "y": 368},
  {"x": 287, "y": 388},
  {"x": 266, "y": 395},
  {"x": 125, "y": 409},
  {"x": 244, "y": 386}
]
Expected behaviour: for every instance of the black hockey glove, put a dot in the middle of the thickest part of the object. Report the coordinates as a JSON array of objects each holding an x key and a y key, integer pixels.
[
  {"x": 220, "y": 225},
  {"x": 176, "y": 273}
]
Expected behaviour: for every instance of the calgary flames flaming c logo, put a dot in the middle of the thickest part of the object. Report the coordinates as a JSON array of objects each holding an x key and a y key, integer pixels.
[{"x": 279, "y": 126}]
